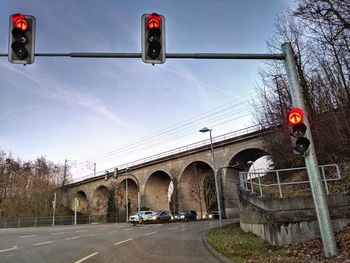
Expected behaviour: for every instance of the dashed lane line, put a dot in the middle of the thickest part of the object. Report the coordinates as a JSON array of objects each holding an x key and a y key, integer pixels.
[
  {"x": 8, "y": 249},
  {"x": 172, "y": 228},
  {"x": 28, "y": 236},
  {"x": 111, "y": 232},
  {"x": 87, "y": 257},
  {"x": 151, "y": 233},
  {"x": 103, "y": 228},
  {"x": 128, "y": 229},
  {"x": 121, "y": 242},
  {"x": 57, "y": 233},
  {"x": 72, "y": 238},
  {"x": 44, "y": 243},
  {"x": 81, "y": 231}
]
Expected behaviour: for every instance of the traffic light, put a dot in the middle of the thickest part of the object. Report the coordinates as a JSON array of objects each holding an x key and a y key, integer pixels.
[
  {"x": 153, "y": 38},
  {"x": 298, "y": 130},
  {"x": 21, "y": 48}
]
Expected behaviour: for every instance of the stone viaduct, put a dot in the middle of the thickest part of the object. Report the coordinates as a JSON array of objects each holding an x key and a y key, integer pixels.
[{"x": 150, "y": 182}]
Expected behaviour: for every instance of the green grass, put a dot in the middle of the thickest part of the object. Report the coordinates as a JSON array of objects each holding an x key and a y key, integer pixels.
[{"x": 231, "y": 241}]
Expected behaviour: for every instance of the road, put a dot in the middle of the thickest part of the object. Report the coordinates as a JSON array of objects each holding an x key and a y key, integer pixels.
[{"x": 119, "y": 242}]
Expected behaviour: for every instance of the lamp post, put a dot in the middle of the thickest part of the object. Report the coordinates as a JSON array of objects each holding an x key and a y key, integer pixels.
[
  {"x": 126, "y": 195},
  {"x": 203, "y": 130}
]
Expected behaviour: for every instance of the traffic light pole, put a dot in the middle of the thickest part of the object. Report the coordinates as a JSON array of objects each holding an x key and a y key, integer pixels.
[
  {"x": 321, "y": 207},
  {"x": 168, "y": 55},
  {"x": 288, "y": 56}
]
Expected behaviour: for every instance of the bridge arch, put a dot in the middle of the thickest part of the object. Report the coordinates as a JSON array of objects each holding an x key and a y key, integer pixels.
[
  {"x": 133, "y": 189},
  {"x": 99, "y": 201},
  {"x": 242, "y": 158},
  {"x": 193, "y": 188},
  {"x": 83, "y": 203},
  {"x": 156, "y": 191}
]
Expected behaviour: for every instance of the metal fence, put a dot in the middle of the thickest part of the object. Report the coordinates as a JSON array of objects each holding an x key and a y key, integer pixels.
[
  {"x": 49, "y": 221},
  {"x": 277, "y": 181}
]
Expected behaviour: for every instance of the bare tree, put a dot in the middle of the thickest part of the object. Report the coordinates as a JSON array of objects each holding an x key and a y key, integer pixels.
[{"x": 319, "y": 33}]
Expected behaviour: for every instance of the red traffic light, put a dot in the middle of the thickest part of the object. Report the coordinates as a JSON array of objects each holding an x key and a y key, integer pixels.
[
  {"x": 154, "y": 21},
  {"x": 20, "y": 22},
  {"x": 295, "y": 116}
]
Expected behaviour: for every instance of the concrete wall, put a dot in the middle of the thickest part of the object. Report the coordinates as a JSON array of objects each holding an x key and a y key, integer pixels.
[{"x": 283, "y": 221}]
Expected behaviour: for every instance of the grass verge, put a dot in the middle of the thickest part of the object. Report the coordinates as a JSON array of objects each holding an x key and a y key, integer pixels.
[
  {"x": 232, "y": 242},
  {"x": 239, "y": 246}
]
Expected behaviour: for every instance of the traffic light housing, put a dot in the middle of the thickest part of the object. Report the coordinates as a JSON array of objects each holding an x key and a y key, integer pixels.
[
  {"x": 21, "y": 47},
  {"x": 297, "y": 130},
  {"x": 153, "y": 38}
]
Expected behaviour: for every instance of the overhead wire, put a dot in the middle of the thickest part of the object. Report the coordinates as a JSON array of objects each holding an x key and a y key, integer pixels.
[
  {"x": 181, "y": 129},
  {"x": 169, "y": 129}
]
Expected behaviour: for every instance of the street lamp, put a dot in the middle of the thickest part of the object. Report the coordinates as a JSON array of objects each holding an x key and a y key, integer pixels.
[
  {"x": 204, "y": 130},
  {"x": 126, "y": 195}
]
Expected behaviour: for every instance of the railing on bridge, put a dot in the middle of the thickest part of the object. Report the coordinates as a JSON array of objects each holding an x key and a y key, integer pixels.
[
  {"x": 181, "y": 149},
  {"x": 292, "y": 180}
]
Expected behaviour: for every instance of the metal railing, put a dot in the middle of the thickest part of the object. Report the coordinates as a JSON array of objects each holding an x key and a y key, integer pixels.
[
  {"x": 181, "y": 149},
  {"x": 48, "y": 221},
  {"x": 257, "y": 180}
]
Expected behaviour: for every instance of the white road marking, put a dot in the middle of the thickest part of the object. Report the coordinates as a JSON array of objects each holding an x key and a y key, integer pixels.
[
  {"x": 111, "y": 232},
  {"x": 44, "y": 243},
  {"x": 128, "y": 229},
  {"x": 8, "y": 249},
  {"x": 151, "y": 233},
  {"x": 121, "y": 242},
  {"x": 80, "y": 231},
  {"x": 144, "y": 227},
  {"x": 28, "y": 236},
  {"x": 91, "y": 235},
  {"x": 89, "y": 256},
  {"x": 57, "y": 233},
  {"x": 172, "y": 228},
  {"x": 71, "y": 238},
  {"x": 103, "y": 228}
]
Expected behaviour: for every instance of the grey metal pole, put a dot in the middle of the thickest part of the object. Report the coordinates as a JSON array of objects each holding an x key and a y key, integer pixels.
[
  {"x": 321, "y": 207},
  {"x": 216, "y": 179},
  {"x": 126, "y": 196},
  {"x": 138, "y": 201},
  {"x": 54, "y": 210},
  {"x": 75, "y": 211}
]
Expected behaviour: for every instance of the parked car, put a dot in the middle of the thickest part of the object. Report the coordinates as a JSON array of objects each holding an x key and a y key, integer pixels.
[
  {"x": 140, "y": 217},
  {"x": 186, "y": 215},
  {"x": 162, "y": 216},
  {"x": 213, "y": 215}
]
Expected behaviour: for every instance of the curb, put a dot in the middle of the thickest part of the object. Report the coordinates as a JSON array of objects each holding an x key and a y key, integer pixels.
[{"x": 217, "y": 254}]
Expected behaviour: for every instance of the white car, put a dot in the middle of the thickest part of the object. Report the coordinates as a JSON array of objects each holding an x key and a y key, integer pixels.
[{"x": 141, "y": 217}]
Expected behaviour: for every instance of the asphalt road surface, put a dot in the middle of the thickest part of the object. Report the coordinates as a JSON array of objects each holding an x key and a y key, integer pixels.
[{"x": 119, "y": 242}]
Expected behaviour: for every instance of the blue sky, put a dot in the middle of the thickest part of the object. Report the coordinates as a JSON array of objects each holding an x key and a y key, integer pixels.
[{"x": 83, "y": 109}]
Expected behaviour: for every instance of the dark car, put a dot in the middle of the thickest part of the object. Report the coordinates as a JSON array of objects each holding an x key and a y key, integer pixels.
[
  {"x": 162, "y": 216},
  {"x": 187, "y": 215},
  {"x": 213, "y": 215}
]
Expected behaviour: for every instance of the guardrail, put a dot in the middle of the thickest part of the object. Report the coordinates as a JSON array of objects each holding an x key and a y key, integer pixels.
[
  {"x": 48, "y": 221},
  {"x": 261, "y": 179},
  {"x": 181, "y": 149}
]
